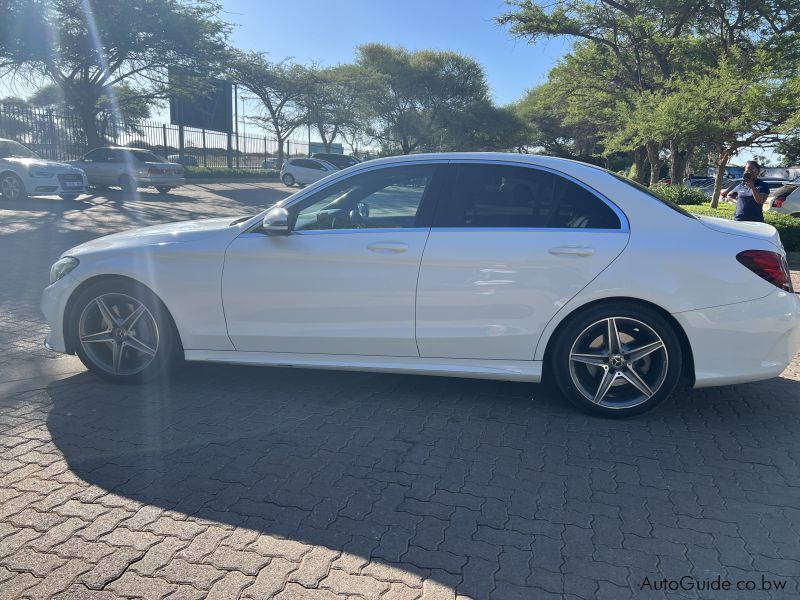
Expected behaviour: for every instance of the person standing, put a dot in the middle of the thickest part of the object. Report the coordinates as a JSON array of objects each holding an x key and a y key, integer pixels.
[{"x": 751, "y": 194}]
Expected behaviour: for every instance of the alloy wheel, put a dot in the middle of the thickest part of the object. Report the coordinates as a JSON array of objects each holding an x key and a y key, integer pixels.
[
  {"x": 11, "y": 187},
  {"x": 118, "y": 333},
  {"x": 618, "y": 363}
]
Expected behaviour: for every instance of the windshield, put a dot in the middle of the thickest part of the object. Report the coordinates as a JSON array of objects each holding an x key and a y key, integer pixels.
[
  {"x": 652, "y": 194},
  {"x": 9, "y": 149}
]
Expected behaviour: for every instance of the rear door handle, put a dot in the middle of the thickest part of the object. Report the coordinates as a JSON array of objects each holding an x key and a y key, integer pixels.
[
  {"x": 572, "y": 250},
  {"x": 388, "y": 247}
]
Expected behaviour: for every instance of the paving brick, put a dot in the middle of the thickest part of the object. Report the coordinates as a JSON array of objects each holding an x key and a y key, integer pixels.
[
  {"x": 271, "y": 579},
  {"x": 344, "y": 584},
  {"x": 229, "y": 586},
  {"x": 58, "y": 580},
  {"x": 110, "y": 567},
  {"x": 37, "y": 563},
  {"x": 158, "y": 556},
  {"x": 314, "y": 567},
  {"x": 134, "y": 585}
]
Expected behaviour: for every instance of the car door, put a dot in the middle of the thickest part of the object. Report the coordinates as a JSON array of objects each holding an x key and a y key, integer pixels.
[
  {"x": 344, "y": 280},
  {"x": 507, "y": 250},
  {"x": 92, "y": 164}
]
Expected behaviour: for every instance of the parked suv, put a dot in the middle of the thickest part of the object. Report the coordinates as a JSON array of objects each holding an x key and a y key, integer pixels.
[
  {"x": 303, "y": 171},
  {"x": 786, "y": 199},
  {"x": 340, "y": 161},
  {"x": 24, "y": 173},
  {"x": 130, "y": 168}
]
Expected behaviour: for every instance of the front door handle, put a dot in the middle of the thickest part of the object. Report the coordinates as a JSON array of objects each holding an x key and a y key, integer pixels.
[
  {"x": 572, "y": 250},
  {"x": 388, "y": 247}
]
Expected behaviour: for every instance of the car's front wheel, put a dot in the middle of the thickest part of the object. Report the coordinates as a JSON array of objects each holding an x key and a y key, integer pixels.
[
  {"x": 163, "y": 189},
  {"x": 617, "y": 360},
  {"x": 288, "y": 180},
  {"x": 12, "y": 188},
  {"x": 123, "y": 332}
]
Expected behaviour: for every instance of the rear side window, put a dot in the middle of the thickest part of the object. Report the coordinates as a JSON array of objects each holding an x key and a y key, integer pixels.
[
  {"x": 510, "y": 196},
  {"x": 652, "y": 194}
]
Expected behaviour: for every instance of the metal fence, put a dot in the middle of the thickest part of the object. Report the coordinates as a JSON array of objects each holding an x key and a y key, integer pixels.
[{"x": 58, "y": 135}]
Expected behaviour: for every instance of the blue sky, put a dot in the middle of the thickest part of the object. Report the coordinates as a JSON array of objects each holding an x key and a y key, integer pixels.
[{"x": 328, "y": 32}]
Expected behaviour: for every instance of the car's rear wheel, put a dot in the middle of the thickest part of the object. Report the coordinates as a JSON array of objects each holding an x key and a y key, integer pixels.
[
  {"x": 617, "y": 360},
  {"x": 122, "y": 332},
  {"x": 163, "y": 189},
  {"x": 288, "y": 180},
  {"x": 12, "y": 188},
  {"x": 127, "y": 184}
]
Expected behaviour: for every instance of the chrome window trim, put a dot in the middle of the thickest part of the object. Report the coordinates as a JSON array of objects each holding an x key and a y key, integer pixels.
[
  {"x": 366, "y": 167},
  {"x": 385, "y": 230}
]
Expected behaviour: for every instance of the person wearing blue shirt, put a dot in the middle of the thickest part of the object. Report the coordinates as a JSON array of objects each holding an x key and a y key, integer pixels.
[{"x": 750, "y": 194}]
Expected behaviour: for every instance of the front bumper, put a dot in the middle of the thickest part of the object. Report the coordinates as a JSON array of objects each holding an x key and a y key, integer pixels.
[
  {"x": 144, "y": 181},
  {"x": 53, "y": 305},
  {"x": 742, "y": 342}
]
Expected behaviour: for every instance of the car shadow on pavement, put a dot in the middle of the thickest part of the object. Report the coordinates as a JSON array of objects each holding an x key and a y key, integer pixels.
[{"x": 487, "y": 487}]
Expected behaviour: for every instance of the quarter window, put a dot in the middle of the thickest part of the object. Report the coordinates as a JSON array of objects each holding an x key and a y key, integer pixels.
[
  {"x": 509, "y": 196},
  {"x": 383, "y": 198}
]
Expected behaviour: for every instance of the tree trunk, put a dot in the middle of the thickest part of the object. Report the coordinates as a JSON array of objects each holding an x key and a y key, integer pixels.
[
  {"x": 653, "y": 156},
  {"x": 722, "y": 162},
  {"x": 280, "y": 150},
  {"x": 678, "y": 160},
  {"x": 639, "y": 157},
  {"x": 88, "y": 118}
]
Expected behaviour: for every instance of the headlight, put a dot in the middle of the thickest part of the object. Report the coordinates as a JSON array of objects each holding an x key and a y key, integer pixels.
[
  {"x": 40, "y": 173},
  {"x": 62, "y": 267}
]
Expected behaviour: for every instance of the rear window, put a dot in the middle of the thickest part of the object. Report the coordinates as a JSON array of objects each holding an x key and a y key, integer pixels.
[{"x": 652, "y": 194}]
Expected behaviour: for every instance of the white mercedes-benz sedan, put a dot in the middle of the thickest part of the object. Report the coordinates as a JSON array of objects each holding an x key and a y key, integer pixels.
[{"x": 498, "y": 266}]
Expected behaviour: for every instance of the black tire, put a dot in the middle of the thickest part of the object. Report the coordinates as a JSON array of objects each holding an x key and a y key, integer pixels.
[
  {"x": 127, "y": 184},
  {"x": 163, "y": 189},
  {"x": 288, "y": 180},
  {"x": 69, "y": 196},
  {"x": 154, "y": 329},
  {"x": 12, "y": 188},
  {"x": 616, "y": 395}
]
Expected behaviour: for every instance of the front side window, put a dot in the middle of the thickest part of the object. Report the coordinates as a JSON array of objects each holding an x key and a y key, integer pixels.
[
  {"x": 384, "y": 198},
  {"x": 98, "y": 155},
  {"x": 510, "y": 196}
]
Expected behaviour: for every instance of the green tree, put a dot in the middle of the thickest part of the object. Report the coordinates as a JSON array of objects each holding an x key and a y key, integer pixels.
[
  {"x": 96, "y": 45},
  {"x": 419, "y": 91},
  {"x": 282, "y": 88}
]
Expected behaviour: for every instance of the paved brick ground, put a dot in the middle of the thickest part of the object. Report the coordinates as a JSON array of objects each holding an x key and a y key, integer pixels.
[{"x": 275, "y": 483}]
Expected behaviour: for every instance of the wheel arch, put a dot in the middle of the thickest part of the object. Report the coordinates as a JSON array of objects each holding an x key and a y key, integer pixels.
[
  {"x": 69, "y": 322},
  {"x": 686, "y": 347}
]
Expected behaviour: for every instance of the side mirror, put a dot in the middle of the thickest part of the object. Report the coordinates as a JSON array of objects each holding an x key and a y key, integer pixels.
[{"x": 276, "y": 222}]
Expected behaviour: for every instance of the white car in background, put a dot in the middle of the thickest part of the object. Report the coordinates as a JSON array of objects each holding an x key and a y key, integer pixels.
[
  {"x": 786, "y": 199},
  {"x": 494, "y": 266},
  {"x": 302, "y": 171},
  {"x": 24, "y": 173},
  {"x": 130, "y": 169}
]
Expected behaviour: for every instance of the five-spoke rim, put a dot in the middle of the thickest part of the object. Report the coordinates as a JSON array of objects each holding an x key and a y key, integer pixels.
[
  {"x": 11, "y": 187},
  {"x": 618, "y": 362},
  {"x": 118, "y": 333}
]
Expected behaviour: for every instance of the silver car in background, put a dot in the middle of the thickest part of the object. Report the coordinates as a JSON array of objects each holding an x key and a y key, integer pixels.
[{"x": 129, "y": 169}]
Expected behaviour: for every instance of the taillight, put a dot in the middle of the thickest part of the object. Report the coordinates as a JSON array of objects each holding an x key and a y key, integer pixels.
[
  {"x": 723, "y": 193},
  {"x": 154, "y": 171},
  {"x": 768, "y": 265},
  {"x": 778, "y": 202}
]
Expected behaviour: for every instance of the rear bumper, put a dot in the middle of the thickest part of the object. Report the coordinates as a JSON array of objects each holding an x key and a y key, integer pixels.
[
  {"x": 161, "y": 181},
  {"x": 747, "y": 341}
]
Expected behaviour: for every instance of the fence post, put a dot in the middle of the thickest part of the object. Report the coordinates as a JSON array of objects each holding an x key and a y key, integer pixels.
[
  {"x": 180, "y": 142},
  {"x": 164, "y": 133},
  {"x": 230, "y": 151},
  {"x": 205, "y": 154}
]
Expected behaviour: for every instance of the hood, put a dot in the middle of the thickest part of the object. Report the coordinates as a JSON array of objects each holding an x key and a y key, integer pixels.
[
  {"x": 758, "y": 231},
  {"x": 40, "y": 163},
  {"x": 159, "y": 235}
]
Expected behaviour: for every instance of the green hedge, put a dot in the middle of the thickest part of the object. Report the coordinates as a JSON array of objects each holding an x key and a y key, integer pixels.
[
  {"x": 788, "y": 227},
  {"x": 680, "y": 194},
  {"x": 223, "y": 173}
]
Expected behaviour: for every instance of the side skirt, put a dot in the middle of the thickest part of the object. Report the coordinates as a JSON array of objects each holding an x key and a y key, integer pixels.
[{"x": 506, "y": 370}]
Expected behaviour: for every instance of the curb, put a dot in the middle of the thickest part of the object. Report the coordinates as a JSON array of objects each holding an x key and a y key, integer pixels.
[{"x": 199, "y": 180}]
